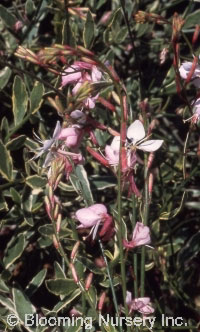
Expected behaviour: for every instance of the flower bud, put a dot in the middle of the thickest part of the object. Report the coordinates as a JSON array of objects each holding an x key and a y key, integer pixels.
[
  {"x": 75, "y": 250},
  {"x": 88, "y": 280},
  {"x": 58, "y": 223},
  {"x": 74, "y": 274},
  {"x": 55, "y": 242},
  {"x": 101, "y": 301}
]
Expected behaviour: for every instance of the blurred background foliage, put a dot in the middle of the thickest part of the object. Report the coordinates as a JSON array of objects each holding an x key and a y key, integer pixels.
[{"x": 29, "y": 261}]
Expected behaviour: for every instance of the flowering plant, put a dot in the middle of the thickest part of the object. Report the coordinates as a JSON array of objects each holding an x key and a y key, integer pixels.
[{"x": 99, "y": 154}]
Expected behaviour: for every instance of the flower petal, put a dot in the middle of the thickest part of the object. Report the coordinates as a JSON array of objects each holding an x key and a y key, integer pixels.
[
  {"x": 57, "y": 130},
  {"x": 99, "y": 209},
  {"x": 136, "y": 131},
  {"x": 150, "y": 145},
  {"x": 111, "y": 155},
  {"x": 87, "y": 217},
  {"x": 115, "y": 145}
]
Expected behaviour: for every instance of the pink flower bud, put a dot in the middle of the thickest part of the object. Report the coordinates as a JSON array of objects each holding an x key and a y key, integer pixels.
[
  {"x": 88, "y": 280},
  {"x": 75, "y": 250},
  {"x": 58, "y": 223},
  {"x": 101, "y": 301},
  {"x": 74, "y": 274},
  {"x": 55, "y": 242},
  {"x": 97, "y": 156}
]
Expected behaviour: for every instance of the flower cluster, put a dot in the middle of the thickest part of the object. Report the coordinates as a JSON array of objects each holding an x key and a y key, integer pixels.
[
  {"x": 63, "y": 153},
  {"x": 78, "y": 74}
]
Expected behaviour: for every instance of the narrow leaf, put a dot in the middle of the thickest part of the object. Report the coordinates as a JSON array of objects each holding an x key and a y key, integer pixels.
[
  {"x": 23, "y": 306},
  {"x": 19, "y": 100},
  {"x": 14, "y": 250},
  {"x": 16, "y": 143},
  {"x": 7, "y": 17},
  {"x": 84, "y": 184},
  {"x": 67, "y": 300},
  {"x": 4, "y": 77},
  {"x": 35, "y": 283},
  {"x": 36, "y": 97},
  {"x": 5, "y": 162},
  {"x": 88, "y": 31}
]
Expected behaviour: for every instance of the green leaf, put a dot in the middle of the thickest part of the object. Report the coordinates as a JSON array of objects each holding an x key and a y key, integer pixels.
[
  {"x": 29, "y": 7},
  {"x": 35, "y": 181},
  {"x": 68, "y": 37},
  {"x": 6, "y": 166},
  {"x": 19, "y": 100},
  {"x": 171, "y": 214},
  {"x": 46, "y": 230},
  {"x": 88, "y": 31},
  {"x": 83, "y": 184},
  {"x": 61, "y": 286},
  {"x": 121, "y": 35},
  {"x": 192, "y": 19},
  {"x": 3, "y": 287},
  {"x": 59, "y": 273},
  {"x": 4, "y": 77},
  {"x": 15, "y": 196},
  {"x": 116, "y": 20},
  {"x": 7, "y": 17},
  {"x": 4, "y": 128},
  {"x": 22, "y": 305},
  {"x": 16, "y": 143},
  {"x": 102, "y": 182},
  {"x": 35, "y": 283},
  {"x": 7, "y": 303},
  {"x": 14, "y": 250},
  {"x": 3, "y": 204},
  {"x": 36, "y": 97},
  {"x": 67, "y": 300},
  {"x": 109, "y": 328}
]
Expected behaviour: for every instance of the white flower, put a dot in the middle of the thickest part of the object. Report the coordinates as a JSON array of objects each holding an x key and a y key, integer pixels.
[
  {"x": 185, "y": 69},
  {"x": 47, "y": 145},
  {"x": 136, "y": 137}
]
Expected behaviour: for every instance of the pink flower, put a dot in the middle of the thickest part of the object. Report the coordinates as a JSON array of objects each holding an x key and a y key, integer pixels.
[
  {"x": 141, "y": 236},
  {"x": 141, "y": 304},
  {"x": 72, "y": 137},
  {"x": 92, "y": 216}
]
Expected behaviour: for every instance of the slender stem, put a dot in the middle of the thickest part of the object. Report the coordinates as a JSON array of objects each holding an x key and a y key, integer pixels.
[
  {"x": 119, "y": 204},
  {"x": 47, "y": 84},
  {"x": 135, "y": 261},
  {"x": 110, "y": 280}
]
